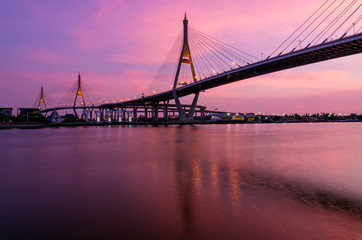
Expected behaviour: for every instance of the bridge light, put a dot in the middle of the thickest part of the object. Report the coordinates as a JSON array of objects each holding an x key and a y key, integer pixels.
[
  {"x": 154, "y": 91},
  {"x": 213, "y": 71},
  {"x": 196, "y": 77},
  {"x": 233, "y": 63}
]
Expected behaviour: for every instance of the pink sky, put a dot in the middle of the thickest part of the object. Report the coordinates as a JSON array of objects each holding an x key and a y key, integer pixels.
[{"x": 118, "y": 47}]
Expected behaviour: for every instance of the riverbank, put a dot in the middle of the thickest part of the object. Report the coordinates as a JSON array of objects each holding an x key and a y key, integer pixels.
[{"x": 77, "y": 124}]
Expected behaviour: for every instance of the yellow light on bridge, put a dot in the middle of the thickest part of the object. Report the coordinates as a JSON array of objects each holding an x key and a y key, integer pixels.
[{"x": 213, "y": 71}]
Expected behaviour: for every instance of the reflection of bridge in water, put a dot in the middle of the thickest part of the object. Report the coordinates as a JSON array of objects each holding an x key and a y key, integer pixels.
[{"x": 218, "y": 64}]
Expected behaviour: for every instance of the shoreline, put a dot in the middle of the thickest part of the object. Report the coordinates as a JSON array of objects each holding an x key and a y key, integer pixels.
[{"x": 83, "y": 124}]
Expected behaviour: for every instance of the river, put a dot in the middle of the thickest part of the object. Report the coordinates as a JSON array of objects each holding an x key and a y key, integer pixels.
[{"x": 242, "y": 181}]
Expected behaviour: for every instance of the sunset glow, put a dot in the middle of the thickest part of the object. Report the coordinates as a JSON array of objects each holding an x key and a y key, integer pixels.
[{"x": 119, "y": 45}]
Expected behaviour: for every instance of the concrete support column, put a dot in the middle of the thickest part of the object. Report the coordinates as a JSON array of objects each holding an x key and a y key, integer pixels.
[
  {"x": 181, "y": 111},
  {"x": 134, "y": 113},
  {"x": 90, "y": 113},
  {"x": 190, "y": 115},
  {"x": 102, "y": 114},
  {"x": 123, "y": 114},
  {"x": 155, "y": 112},
  {"x": 146, "y": 114},
  {"x": 165, "y": 110},
  {"x": 117, "y": 114}
]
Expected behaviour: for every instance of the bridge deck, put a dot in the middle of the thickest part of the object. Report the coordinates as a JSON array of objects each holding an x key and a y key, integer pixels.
[{"x": 326, "y": 51}]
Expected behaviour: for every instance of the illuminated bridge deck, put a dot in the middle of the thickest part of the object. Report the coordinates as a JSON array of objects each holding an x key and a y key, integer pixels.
[{"x": 326, "y": 51}]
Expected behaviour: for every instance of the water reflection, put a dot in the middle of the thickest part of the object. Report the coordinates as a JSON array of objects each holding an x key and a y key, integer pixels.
[
  {"x": 223, "y": 179},
  {"x": 181, "y": 182}
]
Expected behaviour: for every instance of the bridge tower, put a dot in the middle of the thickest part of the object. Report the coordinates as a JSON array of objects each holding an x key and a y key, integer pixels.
[
  {"x": 79, "y": 93},
  {"x": 41, "y": 99},
  {"x": 185, "y": 58}
]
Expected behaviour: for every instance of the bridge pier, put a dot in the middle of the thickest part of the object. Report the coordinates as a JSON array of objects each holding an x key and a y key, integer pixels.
[
  {"x": 190, "y": 115},
  {"x": 91, "y": 112},
  {"x": 181, "y": 112},
  {"x": 165, "y": 110},
  {"x": 114, "y": 115},
  {"x": 146, "y": 114},
  {"x": 134, "y": 113},
  {"x": 155, "y": 112},
  {"x": 123, "y": 114}
]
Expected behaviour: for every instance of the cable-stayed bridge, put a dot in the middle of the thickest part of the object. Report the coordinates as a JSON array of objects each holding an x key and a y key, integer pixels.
[{"x": 202, "y": 62}]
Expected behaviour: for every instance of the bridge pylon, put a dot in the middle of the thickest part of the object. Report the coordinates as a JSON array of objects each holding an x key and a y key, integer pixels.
[
  {"x": 185, "y": 58},
  {"x": 79, "y": 93},
  {"x": 41, "y": 99}
]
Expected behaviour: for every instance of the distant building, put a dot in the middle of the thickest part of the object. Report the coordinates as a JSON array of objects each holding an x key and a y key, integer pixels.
[
  {"x": 27, "y": 111},
  {"x": 30, "y": 115},
  {"x": 54, "y": 117},
  {"x": 249, "y": 117},
  {"x": 220, "y": 115},
  {"x": 5, "y": 114},
  {"x": 215, "y": 118},
  {"x": 68, "y": 117},
  {"x": 238, "y": 117}
]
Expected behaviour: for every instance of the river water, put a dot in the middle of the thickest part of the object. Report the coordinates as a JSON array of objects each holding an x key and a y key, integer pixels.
[{"x": 247, "y": 181}]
